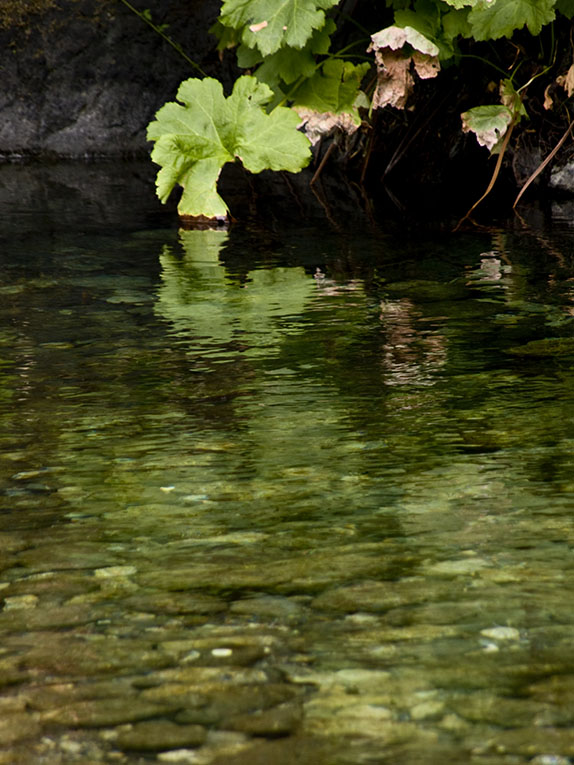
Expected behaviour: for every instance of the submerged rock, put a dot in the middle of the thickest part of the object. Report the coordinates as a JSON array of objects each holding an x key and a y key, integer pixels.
[
  {"x": 548, "y": 347},
  {"x": 158, "y": 735}
]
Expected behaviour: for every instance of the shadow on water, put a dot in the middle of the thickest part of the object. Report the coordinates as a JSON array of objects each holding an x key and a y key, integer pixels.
[{"x": 280, "y": 494}]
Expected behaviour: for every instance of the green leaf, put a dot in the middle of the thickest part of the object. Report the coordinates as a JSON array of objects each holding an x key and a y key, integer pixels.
[
  {"x": 288, "y": 64},
  {"x": 269, "y": 25},
  {"x": 461, "y": 3},
  {"x": 566, "y": 8},
  {"x": 455, "y": 24},
  {"x": 491, "y": 19},
  {"x": 226, "y": 36},
  {"x": 333, "y": 89},
  {"x": 195, "y": 138},
  {"x": 488, "y": 123}
]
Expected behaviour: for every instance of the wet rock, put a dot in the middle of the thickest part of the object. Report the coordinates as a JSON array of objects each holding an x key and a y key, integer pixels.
[
  {"x": 56, "y": 585},
  {"x": 379, "y": 597},
  {"x": 278, "y": 721},
  {"x": 177, "y": 603},
  {"x": 54, "y": 617},
  {"x": 20, "y": 602},
  {"x": 53, "y": 695},
  {"x": 562, "y": 178},
  {"x": 293, "y": 574},
  {"x": 555, "y": 690},
  {"x": 107, "y": 106},
  {"x": 497, "y": 710},
  {"x": 355, "y": 680},
  {"x": 534, "y": 741},
  {"x": 10, "y": 672},
  {"x": 338, "y": 713},
  {"x": 268, "y": 607},
  {"x": 112, "y": 572},
  {"x": 462, "y": 567},
  {"x": 549, "y": 347},
  {"x": 63, "y": 554},
  {"x": 233, "y": 652},
  {"x": 219, "y": 744},
  {"x": 10, "y": 543},
  {"x": 17, "y": 727},
  {"x": 501, "y": 633},
  {"x": 66, "y": 655},
  {"x": 101, "y": 713},
  {"x": 215, "y": 703},
  {"x": 427, "y": 710},
  {"x": 196, "y": 677},
  {"x": 158, "y": 735}
]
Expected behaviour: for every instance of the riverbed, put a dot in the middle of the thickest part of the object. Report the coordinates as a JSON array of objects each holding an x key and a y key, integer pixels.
[{"x": 299, "y": 495}]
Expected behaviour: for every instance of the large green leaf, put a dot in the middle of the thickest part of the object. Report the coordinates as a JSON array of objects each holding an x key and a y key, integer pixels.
[
  {"x": 288, "y": 64},
  {"x": 270, "y": 24},
  {"x": 491, "y": 19},
  {"x": 566, "y": 7},
  {"x": 333, "y": 89},
  {"x": 195, "y": 138}
]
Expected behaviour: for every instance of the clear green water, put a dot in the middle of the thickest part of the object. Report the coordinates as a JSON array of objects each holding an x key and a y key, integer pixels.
[{"x": 301, "y": 496}]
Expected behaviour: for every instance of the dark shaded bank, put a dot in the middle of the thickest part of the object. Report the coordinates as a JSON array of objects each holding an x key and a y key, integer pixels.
[
  {"x": 83, "y": 78},
  {"x": 121, "y": 195}
]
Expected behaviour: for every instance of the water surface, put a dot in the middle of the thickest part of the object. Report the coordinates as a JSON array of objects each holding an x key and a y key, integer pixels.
[{"x": 289, "y": 495}]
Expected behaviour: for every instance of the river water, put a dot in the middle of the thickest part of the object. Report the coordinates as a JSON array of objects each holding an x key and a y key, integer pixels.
[{"x": 297, "y": 495}]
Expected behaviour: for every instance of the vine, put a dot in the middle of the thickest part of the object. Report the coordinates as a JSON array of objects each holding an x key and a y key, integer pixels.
[{"x": 299, "y": 86}]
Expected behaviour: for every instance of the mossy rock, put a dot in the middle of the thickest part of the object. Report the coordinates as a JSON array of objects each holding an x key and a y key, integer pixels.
[{"x": 549, "y": 347}]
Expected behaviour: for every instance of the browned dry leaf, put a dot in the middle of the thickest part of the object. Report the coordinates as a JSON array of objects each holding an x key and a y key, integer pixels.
[
  {"x": 548, "y": 102},
  {"x": 567, "y": 81},
  {"x": 394, "y": 80},
  {"x": 320, "y": 124},
  {"x": 426, "y": 66}
]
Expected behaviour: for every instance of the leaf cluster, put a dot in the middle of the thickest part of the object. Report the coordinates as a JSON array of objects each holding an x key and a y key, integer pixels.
[{"x": 287, "y": 50}]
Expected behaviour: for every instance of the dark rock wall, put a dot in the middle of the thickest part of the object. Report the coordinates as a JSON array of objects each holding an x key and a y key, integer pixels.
[{"x": 84, "y": 77}]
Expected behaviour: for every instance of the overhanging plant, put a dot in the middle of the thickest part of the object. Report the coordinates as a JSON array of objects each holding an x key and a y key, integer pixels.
[{"x": 297, "y": 83}]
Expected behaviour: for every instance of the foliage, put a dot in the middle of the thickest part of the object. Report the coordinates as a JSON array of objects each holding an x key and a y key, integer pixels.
[
  {"x": 295, "y": 69},
  {"x": 194, "y": 139}
]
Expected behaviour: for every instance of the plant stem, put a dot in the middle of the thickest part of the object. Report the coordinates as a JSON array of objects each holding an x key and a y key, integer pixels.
[
  {"x": 167, "y": 38},
  {"x": 494, "y": 175}
]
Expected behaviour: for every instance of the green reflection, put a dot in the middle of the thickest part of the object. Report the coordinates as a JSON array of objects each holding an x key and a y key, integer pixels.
[
  {"x": 200, "y": 300},
  {"x": 337, "y": 491}
]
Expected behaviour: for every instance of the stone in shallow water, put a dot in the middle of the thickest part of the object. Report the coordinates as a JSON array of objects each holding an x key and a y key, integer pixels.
[
  {"x": 104, "y": 712},
  {"x": 158, "y": 735},
  {"x": 501, "y": 633},
  {"x": 176, "y": 603},
  {"x": 548, "y": 347},
  {"x": 215, "y": 703},
  {"x": 534, "y": 741},
  {"x": 278, "y": 721},
  {"x": 69, "y": 655},
  {"x": 458, "y": 567},
  {"x": 20, "y": 601},
  {"x": 114, "y": 571},
  {"x": 268, "y": 607},
  {"x": 224, "y": 744},
  {"x": 379, "y": 597},
  {"x": 17, "y": 727}
]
